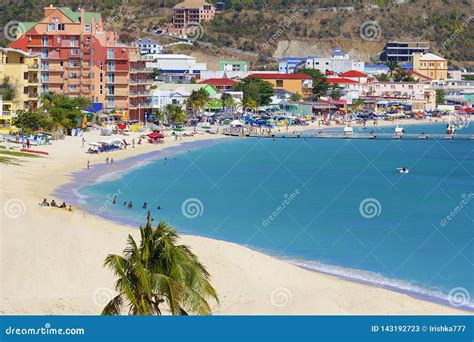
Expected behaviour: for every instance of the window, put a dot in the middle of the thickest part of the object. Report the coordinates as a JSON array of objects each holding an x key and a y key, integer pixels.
[
  {"x": 45, "y": 41},
  {"x": 110, "y": 90},
  {"x": 74, "y": 51},
  {"x": 61, "y": 27},
  {"x": 25, "y": 90},
  {"x": 88, "y": 28},
  {"x": 51, "y": 27},
  {"x": 55, "y": 20},
  {"x": 279, "y": 83},
  {"x": 25, "y": 75}
]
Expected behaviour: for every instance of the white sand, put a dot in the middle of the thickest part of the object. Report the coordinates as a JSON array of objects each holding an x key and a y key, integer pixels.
[{"x": 52, "y": 259}]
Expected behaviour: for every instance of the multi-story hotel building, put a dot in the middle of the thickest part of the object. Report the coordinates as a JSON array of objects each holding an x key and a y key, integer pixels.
[
  {"x": 22, "y": 71},
  {"x": 192, "y": 11},
  {"x": 80, "y": 58}
]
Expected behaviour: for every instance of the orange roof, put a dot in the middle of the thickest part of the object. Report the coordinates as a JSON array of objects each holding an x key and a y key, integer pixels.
[{"x": 353, "y": 73}]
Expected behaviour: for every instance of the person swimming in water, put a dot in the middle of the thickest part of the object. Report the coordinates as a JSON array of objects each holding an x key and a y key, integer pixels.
[
  {"x": 130, "y": 205},
  {"x": 145, "y": 205}
]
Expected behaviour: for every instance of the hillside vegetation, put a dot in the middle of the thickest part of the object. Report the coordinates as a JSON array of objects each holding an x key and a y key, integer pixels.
[{"x": 266, "y": 27}]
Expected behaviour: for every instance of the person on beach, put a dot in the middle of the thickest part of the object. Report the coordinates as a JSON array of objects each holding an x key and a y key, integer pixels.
[
  {"x": 158, "y": 207},
  {"x": 63, "y": 205},
  {"x": 88, "y": 165},
  {"x": 28, "y": 143},
  {"x": 53, "y": 204},
  {"x": 44, "y": 203},
  {"x": 133, "y": 143},
  {"x": 145, "y": 205},
  {"x": 130, "y": 205},
  {"x": 70, "y": 208},
  {"x": 83, "y": 141},
  {"x": 107, "y": 160},
  {"x": 111, "y": 160},
  {"x": 139, "y": 141}
]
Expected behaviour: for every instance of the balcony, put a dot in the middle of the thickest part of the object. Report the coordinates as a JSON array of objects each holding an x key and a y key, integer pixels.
[
  {"x": 117, "y": 80},
  {"x": 141, "y": 80}
]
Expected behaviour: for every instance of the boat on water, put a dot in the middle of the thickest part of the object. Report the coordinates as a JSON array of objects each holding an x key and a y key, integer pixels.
[
  {"x": 403, "y": 170},
  {"x": 348, "y": 129}
]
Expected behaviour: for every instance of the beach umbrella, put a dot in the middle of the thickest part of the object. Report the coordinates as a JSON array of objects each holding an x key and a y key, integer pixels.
[{"x": 155, "y": 135}]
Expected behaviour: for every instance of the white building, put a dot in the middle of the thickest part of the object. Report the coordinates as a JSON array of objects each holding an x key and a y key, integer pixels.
[
  {"x": 179, "y": 65},
  {"x": 148, "y": 46},
  {"x": 171, "y": 93},
  {"x": 338, "y": 62}
]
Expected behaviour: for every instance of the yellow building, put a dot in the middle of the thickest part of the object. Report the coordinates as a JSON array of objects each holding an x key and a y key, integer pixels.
[
  {"x": 21, "y": 69},
  {"x": 301, "y": 84},
  {"x": 430, "y": 65}
]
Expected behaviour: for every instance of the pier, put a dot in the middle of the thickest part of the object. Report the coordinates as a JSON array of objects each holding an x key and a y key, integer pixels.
[{"x": 353, "y": 136}]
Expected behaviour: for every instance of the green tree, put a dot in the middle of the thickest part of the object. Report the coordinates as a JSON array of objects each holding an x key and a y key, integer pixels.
[
  {"x": 400, "y": 75},
  {"x": 175, "y": 113},
  {"x": 382, "y": 78},
  {"x": 249, "y": 104},
  {"x": 227, "y": 100},
  {"x": 28, "y": 122},
  {"x": 7, "y": 90},
  {"x": 63, "y": 111},
  {"x": 156, "y": 272},
  {"x": 295, "y": 97},
  {"x": 320, "y": 82},
  {"x": 335, "y": 92},
  {"x": 393, "y": 65},
  {"x": 440, "y": 96},
  {"x": 198, "y": 100},
  {"x": 256, "y": 90}
]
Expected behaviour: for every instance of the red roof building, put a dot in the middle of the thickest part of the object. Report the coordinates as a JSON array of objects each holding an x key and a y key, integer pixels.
[
  {"x": 220, "y": 84},
  {"x": 341, "y": 80},
  {"x": 353, "y": 73},
  {"x": 277, "y": 76}
]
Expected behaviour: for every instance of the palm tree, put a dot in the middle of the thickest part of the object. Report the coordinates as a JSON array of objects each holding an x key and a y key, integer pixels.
[
  {"x": 158, "y": 272},
  {"x": 175, "y": 113},
  {"x": 227, "y": 100},
  {"x": 198, "y": 100}
]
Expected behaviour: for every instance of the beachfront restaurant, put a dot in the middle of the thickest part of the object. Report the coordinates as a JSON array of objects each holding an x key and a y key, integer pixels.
[{"x": 294, "y": 109}]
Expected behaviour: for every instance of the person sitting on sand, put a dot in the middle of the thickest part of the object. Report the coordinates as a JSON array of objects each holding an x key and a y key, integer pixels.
[
  {"x": 130, "y": 205},
  {"x": 53, "y": 203},
  {"x": 63, "y": 205},
  {"x": 44, "y": 203},
  {"x": 70, "y": 208}
]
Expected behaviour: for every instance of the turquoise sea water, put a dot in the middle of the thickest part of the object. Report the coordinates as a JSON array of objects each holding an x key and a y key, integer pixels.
[{"x": 337, "y": 206}]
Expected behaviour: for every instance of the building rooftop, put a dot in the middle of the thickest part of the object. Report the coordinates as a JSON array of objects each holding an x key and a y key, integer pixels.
[
  {"x": 75, "y": 16},
  {"x": 341, "y": 80},
  {"x": 353, "y": 73},
  {"x": 219, "y": 82},
  {"x": 191, "y": 4},
  {"x": 431, "y": 57},
  {"x": 276, "y": 76}
]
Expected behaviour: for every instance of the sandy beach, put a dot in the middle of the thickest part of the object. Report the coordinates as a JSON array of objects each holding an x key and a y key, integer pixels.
[{"x": 52, "y": 259}]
